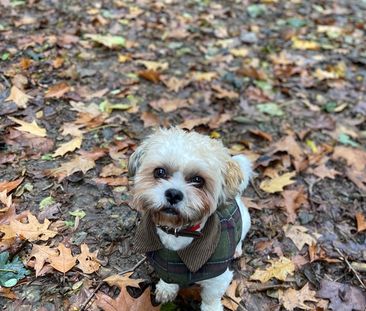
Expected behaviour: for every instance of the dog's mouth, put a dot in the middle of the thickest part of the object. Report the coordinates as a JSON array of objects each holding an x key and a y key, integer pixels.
[{"x": 170, "y": 210}]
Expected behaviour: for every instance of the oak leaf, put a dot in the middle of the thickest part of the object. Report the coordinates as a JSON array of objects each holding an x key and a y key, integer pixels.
[
  {"x": 42, "y": 253},
  {"x": 71, "y": 145},
  {"x": 292, "y": 298},
  {"x": 293, "y": 200},
  {"x": 361, "y": 222},
  {"x": 64, "y": 261},
  {"x": 32, "y": 128},
  {"x": 58, "y": 90},
  {"x": 231, "y": 299},
  {"x": 279, "y": 269},
  {"x": 18, "y": 97},
  {"x": 278, "y": 183},
  {"x": 88, "y": 261},
  {"x": 121, "y": 281},
  {"x": 299, "y": 235},
  {"x": 8, "y": 186},
  {"x": 125, "y": 302},
  {"x": 33, "y": 230}
]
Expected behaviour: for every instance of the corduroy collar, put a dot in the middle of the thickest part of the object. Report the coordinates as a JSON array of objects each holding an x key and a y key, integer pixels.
[{"x": 195, "y": 255}]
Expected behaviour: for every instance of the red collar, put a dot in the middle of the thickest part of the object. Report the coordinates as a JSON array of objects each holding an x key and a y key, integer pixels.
[{"x": 193, "y": 228}]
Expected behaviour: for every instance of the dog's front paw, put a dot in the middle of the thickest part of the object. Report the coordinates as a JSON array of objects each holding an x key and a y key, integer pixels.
[{"x": 165, "y": 292}]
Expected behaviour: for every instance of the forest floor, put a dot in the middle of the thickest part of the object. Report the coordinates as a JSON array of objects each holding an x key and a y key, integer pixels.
[{"x": 83, "y": 82}]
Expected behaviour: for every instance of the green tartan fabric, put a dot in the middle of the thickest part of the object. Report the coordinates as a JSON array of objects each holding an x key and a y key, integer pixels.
[{"x": 204, "y": 258}]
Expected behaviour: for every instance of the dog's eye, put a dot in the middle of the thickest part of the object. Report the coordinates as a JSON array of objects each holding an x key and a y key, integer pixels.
[
  {"x": 198, "y": 181},
  {"x": 160, "y": 173}
]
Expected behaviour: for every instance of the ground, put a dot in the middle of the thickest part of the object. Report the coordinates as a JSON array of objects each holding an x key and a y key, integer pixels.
[{"x": 280, "y": 81}]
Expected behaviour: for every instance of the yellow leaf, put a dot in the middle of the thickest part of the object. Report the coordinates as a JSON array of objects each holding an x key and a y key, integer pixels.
[
  {"x": 155, "y": 66},
  {"x": 242, "y": 52},
  {"x": 304, "y": 44},
  {"x": 276, "y": 184},
  {"x": 18, "y": 97},
  {"x": 292, "y": 298},
  {"x": 123, "y": 58},
  {"x": 71, "y": 145},
  {"x": 279, "y": 269},
  {"x": 204, "y": 76},
  {"x": 32, "y": 128},
  {"x": 121, "y": 281}
]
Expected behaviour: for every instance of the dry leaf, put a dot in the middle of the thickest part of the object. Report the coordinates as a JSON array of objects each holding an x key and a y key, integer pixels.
[
  {"x": 150, "y": 75},
  {"x": 71, "y": 129},
  {"x": 299, "y": 235},
  {"x": 8, "y": 186},
  {"x": 169, "y": 105},
  {"x": 191, "y": 123},
  {"x": 304, "y": 44},
  {"x": 222, "y": 93},
  {"x": 357, "y": 177},
  {"x": 79, "y": 163},
  {"x": 58, "y": 62},
  {"x": 289, "y": 145},
  {"x": 112, "y": 170},
  {"x": 125, "y": 302},
  {"x": 174, "y": 84},
  {"x": 204, "y": 76},
  {"x": 32, "y": 128},
  {"x": 42, "y": 253},
  {"x": 33, "y": 230},
  {"x": 18, "y": 97},
  {"x": 88, "y": 262},
  {"x": 154, "y": 66},
  {"x": 279, "y": 269},
  {"x": 276, "y": 184},
  {"x": 149, "y": 119},
  {"x": 354, "y": 157},
  {"x": 291, "y": 298},
  {"x": 361, "y": 222},
  {"x": 71, "y": 145},
  {"x": 64, "y": 261},
  {"x": 231, "y": 299},
  {"x": 58, "y": 90},
  {"x": 112, "y": 181},
  {"x": 293, "y": 199},
  {"x": 121, "y": 281},
  {"x": 322, "y": 171}
]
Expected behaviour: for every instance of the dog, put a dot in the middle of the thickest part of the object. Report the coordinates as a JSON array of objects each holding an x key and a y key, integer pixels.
[{"x": 188, "y": 188}]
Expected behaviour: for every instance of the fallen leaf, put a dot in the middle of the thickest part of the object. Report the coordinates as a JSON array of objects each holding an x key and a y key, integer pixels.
[
  {"x": 270, "y": 108},
  {"x": 191, "y": 123},
  {"x": 279, "y": 269},
  {"x": 88, "y": 262},
  {"x": 354, "y": 157},
  {"x": 33, "y": 230},
  {"x": 32, "y": 128},
  {"x": 112, "y": 170},
  {"x": 149, "y": 119},
  {"x": 58, "y": 90},
  {"x": 293, "y": 199},
  {"x": 174, "y": 84},
  {"x": 343, "y": 297},
  {"x": 58, "y": 62},
  {"x": 69, "y": 146},
  {"x": 64, "y": 261},
  {"x": 150, "y": 75},
  {"x": 77, "y": 164},
  {"x": 204, "y": 76},
  {"x": 169, "y": 105},
  {"x": 107, "y": 40},
  {"x": 7, "y": 293},
  {"x": 231, "y": 299},
  {"x": 223, "y": 93},
  {"x": 18, "y": 97},
  {"x": 8, "y": 186},
  {"x": 289, "y": 145},
  {"x": 121, "y": 281},
  {"x": 299, "y": 235},
  {"x": 361, "y": 222},
  {"x": 112, "y": 181},
  {"x": 292, "y": 298},
  {"x": 42, "y": 253},
  {"x": 304, "y": 44},
  {"x": 322, "y": 171},
  {"x": 278, "y": 183},
  {"x": 125, "y": 302},
  {"x": 154, "y": 66},
  {"x": 357, "y": 177}
]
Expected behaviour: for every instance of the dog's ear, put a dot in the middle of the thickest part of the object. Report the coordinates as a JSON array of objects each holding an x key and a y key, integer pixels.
[
  {"x": 233, "y": 178},
  {"x": 135, "y": 161}
]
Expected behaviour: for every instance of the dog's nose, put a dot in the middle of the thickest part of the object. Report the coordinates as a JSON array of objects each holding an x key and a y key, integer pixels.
[{"x": 173, "y": 196}]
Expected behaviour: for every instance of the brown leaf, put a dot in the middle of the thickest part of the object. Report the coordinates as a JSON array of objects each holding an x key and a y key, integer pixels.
[
  {"x": 261, "y": 134},
  {"x": 69, "y": 146},
  {"x": 8, "y": 186},
  {"x": 342, "y": 296},
  {"x": 357, "y": 177},
  {"x": 299, "y": 235},
  {"x": 169, "y": 105},
  {"x": 32, "y": 128},
  {"x": 58, "y": 90},
  {"x": 191, "y": 123},
  {"x": 293, "y": 199},
  {"x": 78, "y": 163},
  {"x": 112, "y": 170},
  {"x": 150, "y": 75},
  {"x": 279, "y": 269},
  {"x": 231, "y": 299},
  {"x": 361, "y": 222},
  {"x": 33, "y": 230},
  {"x": 125, "y": 302},
  {"x": 18, "y": 97},
  {"x": 42, "y": 253},
  {"x": 149, "y": 119},
  {"x": 292, "y": 298},
  {"x": 322, "y": 171},
  {"x": 88, "y": 261},
  {"x": 64, "y": 261},
  {"x": 112, "y": 181},
  {"x": 58, "y": 62},
  {"x": 7, "y": 293},
  {"x": 174, "y": 84},
  {"x": 219, "y": 119},
  {"x": 121, "y": 281},
  {"x": 223, "y": 93},
  {"x": 289, "y": 145},
  {"x": 354, "y": 157}
]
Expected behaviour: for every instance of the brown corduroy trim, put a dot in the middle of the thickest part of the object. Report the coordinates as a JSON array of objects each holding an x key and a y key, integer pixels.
[{"x": 195, "y": 255}]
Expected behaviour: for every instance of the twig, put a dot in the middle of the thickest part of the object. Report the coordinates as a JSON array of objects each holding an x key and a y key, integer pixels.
[
  {"x": 256, "y": 189},
  {"x": 86, "y": 302},
  {"x": 343, "y": 258},
  {"x": 8, "y": 270},
  {"x": 101, "y": 127},
  {"x": 263, "y": 287}
]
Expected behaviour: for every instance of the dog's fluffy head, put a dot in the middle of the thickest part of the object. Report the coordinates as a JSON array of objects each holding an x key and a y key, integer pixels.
[{"x": 182, "y": 177}]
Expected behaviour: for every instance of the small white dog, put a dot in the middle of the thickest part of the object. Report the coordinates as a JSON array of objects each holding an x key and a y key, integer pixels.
[{"x": 188, "y": 188}]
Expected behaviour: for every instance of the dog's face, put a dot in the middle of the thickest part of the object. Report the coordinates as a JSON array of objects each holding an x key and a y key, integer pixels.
[{"x": 182, "y": 177}]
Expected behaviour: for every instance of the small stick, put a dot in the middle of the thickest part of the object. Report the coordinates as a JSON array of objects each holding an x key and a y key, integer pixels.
[
  {"x": 263, "y": 287},
  {"x": 343, "y": 258},
  {"x": 86, "y": 302},
  {"x": 256, "y": 189},
  {"x": 359, "y": 266}
]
